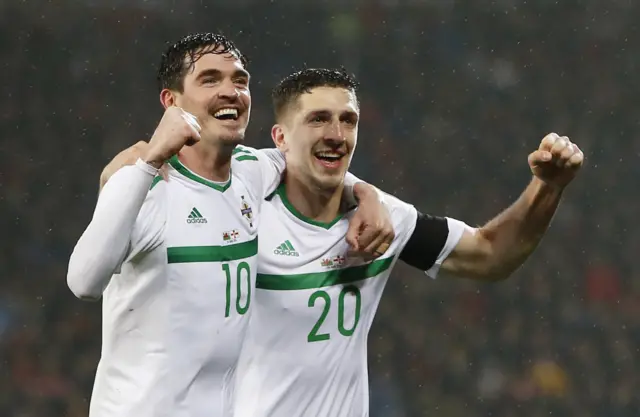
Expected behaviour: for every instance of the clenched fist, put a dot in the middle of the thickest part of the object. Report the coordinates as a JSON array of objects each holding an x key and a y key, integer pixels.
[
  {"x": 176, "y": 129},
  {"x": 556, "y": 161}
]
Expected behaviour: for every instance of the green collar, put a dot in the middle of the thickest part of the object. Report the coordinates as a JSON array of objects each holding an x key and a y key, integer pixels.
[
  {"x": 282, "y": 193},
  {"x": 178, "y": 166}
]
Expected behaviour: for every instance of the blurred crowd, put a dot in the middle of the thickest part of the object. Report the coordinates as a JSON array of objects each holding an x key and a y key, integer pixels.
[{"x": 455, "y": 94}]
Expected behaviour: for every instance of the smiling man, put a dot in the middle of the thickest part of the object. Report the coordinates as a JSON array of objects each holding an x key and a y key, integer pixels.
[{"x": 306, "y": 348}]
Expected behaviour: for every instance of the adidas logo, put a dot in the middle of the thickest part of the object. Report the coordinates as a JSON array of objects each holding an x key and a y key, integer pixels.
[
  {"x": 286, "y": 249},
  {"x": 195, "y": 217}
]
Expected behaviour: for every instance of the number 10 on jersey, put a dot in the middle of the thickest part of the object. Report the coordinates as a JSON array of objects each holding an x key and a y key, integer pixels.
[{"x": 236, "y": 281}]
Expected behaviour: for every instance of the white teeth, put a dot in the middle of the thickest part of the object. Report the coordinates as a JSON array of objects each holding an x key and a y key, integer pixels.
[
  {"x": 328, "y": 155},
  {"x": 222, "y": 112}
]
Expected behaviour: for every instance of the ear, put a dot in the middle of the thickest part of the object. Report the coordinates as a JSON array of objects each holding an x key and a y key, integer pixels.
[
  {"x": 278, "y": 136},
  {"x": 167, "y": 98}
]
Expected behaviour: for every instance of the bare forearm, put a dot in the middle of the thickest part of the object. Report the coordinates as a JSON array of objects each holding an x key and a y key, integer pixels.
[{"x": 515, "y": 233}]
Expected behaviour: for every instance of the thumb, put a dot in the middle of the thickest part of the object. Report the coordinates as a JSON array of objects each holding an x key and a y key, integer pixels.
[
  {"x": 539, "y": 157},
  {"x": 164, "y": 171}
]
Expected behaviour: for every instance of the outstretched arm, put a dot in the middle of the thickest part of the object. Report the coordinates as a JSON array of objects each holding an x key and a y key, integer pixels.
[
  {"x": 495, "y": 250},
  {"x": 498, "y": 248}
]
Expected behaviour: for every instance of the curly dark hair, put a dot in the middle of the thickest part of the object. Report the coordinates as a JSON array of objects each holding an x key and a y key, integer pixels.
[
  {"x": 181, "y": 57},
  {"x": 301, "y": 82}
]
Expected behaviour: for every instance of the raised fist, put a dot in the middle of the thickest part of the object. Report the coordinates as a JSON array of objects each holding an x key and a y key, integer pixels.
[
  {"x": 556, "y": 161},
  {"x": 176, "y": 129}
]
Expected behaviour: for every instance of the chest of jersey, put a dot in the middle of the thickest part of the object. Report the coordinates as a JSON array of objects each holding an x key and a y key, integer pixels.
[
  {"x": 309, "y": 293},
  {"x": 203, "y": 216},
  {"x": 211, "y": 242}
]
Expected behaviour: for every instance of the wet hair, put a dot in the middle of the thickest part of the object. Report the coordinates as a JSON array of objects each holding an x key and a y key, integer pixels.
[
  {"x": 293, "y": 86},
  {"x": 181, "y": 57}
]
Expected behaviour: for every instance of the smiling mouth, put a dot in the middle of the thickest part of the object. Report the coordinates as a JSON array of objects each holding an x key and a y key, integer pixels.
[
  {"x": 227, "y": 114},
  {"x": 329, "y": 159}
]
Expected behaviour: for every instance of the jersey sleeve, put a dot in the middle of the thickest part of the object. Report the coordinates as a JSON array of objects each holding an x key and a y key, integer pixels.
[
  {"x": 403, "y": 217},
  {"x": 261, "y": 169},
  {"x": 422, "y": 241},
  {"x": 127, "y": 222},
  {"x": 432, "y": 240}
]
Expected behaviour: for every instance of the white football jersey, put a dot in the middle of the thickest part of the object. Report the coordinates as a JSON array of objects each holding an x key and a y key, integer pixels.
[
  {"x": 306, "y": 348},
  {"x": 176, "y": 314}
]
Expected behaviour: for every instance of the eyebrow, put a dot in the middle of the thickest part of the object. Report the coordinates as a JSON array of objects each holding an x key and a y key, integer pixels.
[
  {"x": 324, "y": 112},
  {"x": 217, "y": 73},
  {"x": 314, "y": 113}
]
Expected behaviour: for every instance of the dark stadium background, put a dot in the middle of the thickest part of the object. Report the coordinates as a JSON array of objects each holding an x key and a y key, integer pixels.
[{"x": 455, "y": 94}]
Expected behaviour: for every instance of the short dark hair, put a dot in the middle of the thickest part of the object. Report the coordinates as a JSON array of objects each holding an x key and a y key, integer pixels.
[
  {"x": 181, "y": 57},
  {"x": 302, "y": 82}
]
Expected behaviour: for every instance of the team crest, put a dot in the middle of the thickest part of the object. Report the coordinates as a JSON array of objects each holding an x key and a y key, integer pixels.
[
  {"x": 246, "y": 211},
  {"x": 230, "y": 237},
  {"x": 333, "y": 262}
]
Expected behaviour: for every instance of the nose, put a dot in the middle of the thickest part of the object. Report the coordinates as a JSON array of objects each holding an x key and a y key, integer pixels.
[
  {"x": 228, "y": 90},
  {"x": 334, "y": 133}
]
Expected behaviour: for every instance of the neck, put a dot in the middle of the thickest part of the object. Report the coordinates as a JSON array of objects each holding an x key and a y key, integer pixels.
[
  {"x": 210, "y": 161},
  {"x": 318, "y": 204}
]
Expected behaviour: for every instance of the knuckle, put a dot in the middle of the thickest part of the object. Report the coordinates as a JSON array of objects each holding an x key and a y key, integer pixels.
[{"x": 548, "y": 141}]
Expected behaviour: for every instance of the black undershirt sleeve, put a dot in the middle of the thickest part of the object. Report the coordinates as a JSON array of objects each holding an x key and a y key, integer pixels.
[{"x": 426, "y": 242}]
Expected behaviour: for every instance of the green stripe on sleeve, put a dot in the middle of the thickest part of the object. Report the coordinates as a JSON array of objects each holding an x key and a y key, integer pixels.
[
  {"x": 187, "y": 254},
  {"x": 322, "y": 279},
  {"x": 246, "y": 158},
  {"x": 238, "y": 149}
]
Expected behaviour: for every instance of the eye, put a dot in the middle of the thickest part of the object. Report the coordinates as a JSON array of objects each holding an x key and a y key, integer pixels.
[
  {"x": 349, "y": 118},
  {"x": 209, "y": 80},
  {"x": 319, "y": 118},
  {"x": 241, "y": 81}
]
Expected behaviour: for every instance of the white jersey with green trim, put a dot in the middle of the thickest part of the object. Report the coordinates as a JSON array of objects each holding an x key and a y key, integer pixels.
[
  {"x": 306, "y": 348},
  {"x": 175, "y": 314}
]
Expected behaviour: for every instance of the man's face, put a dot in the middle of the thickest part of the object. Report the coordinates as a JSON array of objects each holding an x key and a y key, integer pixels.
[
  {"x": 319, "y": 135},
  {"x": 216, "y": 91}
]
